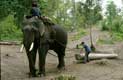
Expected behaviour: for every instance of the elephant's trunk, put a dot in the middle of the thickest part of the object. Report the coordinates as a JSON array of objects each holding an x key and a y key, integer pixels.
[
  {"x": 31, "y": 46},
  {"x": 28, "y": 39}
]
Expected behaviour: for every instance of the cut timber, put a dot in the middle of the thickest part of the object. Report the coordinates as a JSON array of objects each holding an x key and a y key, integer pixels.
[{"x": 94, "y": 56}]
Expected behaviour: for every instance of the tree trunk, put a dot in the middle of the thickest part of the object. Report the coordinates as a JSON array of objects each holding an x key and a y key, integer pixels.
[
  {"x": 91, "y": 39},
  {"x": 74, "y": 14}
]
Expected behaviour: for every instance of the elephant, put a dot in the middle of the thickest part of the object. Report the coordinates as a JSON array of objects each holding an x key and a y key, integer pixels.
[{"x": 39, "y": 37}]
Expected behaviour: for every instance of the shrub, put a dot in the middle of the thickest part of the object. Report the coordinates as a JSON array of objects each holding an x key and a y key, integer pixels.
[
  {"x": 65, "y": 77},
  {"x": 105, "y": 25},
  {"x": 80, "y": 33},
  {"x": 115, "y": 27},
  {"x": 117, "y": 36},
  {"x": 9, "y": 31}
]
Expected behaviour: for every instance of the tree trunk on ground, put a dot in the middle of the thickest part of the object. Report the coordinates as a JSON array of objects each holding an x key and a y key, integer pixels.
[{"x": 96, "y": 56}]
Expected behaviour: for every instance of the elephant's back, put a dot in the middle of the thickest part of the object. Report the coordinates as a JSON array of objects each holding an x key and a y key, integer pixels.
[{"x": 61, "y": 34}]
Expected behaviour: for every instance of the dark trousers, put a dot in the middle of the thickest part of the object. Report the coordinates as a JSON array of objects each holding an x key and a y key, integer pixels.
[{"x": 86, "y": 58}]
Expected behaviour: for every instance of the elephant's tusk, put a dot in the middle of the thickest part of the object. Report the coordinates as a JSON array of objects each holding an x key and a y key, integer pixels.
[
  {"x": 31, "y": 47},
  {"x": 21, "y": 49}
]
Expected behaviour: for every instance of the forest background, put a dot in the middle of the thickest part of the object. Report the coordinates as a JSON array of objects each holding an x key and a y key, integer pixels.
[{"x": 74, "y": 16}]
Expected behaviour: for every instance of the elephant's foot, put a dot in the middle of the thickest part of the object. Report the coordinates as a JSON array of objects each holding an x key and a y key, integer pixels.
[
  {"x": 41, "y": 74},
  {"x": 32, "y": 75},
  {"x": 61, "y": 67}
]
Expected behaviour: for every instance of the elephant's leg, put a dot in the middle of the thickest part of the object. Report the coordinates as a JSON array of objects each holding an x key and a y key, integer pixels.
[
  {"x": 34, "y": 52},
  {"x": 42, "y": 57},
  {"x": 31, "y": 65},
  {"x": 61, "y": 54},
  {"x": 33, "y": 56}
]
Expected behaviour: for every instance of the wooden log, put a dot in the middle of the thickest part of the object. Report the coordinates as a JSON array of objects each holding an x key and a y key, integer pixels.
[
  {"x": 9, "y": 43},
  {"x": 94, "y": 56}
]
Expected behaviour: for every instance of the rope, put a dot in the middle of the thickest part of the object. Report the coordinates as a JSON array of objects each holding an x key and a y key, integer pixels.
[
  {"x": 63, "y": 45},
  {"x": 57, "y": 56}
]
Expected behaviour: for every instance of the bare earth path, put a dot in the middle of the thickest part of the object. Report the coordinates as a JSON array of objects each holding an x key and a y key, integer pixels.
[{"x": 14, "y": 65}]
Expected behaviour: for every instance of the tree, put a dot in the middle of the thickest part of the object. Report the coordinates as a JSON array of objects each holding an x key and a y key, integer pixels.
[
  {"x": 17, "y": 8},
  {"x": 111, "y": 13},
  {"x": 113, "y": 21},
  {"x": 92, "y": 13}
]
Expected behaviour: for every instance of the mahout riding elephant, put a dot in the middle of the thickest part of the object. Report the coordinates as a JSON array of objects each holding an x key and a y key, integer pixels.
[{"x": 41, "y": 38}]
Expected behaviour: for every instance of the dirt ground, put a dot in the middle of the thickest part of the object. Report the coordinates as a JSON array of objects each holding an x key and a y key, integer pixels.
[{"x": 14, "y": 65}]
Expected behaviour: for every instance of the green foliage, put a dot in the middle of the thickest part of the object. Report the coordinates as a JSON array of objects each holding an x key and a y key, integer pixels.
[
  {"x": 80, "y": 33},
  {"x": 117, "y": 36},
  {"x": 105, "y": 24},
  {"x": 18, "y": 8},
  {"x": 111, "y": 40},
  {"x": 13, "y": 7},
  {"x": 9, "y": 30},
  {"x": 111, "y": 10},
  {"x": 91, "y": 10},
  {"x": 105, "y": 41},
  {"x": 65, "y": 77},
  {"x": 113, "y": 22},
  {"x": 116, "y": 29},
  {"x": 65, "y": 12},
  {"x": 116, "y": 26}
]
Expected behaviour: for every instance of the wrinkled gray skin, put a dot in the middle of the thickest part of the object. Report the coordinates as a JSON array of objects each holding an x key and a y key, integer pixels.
[{"x": 42, "y": 44}]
